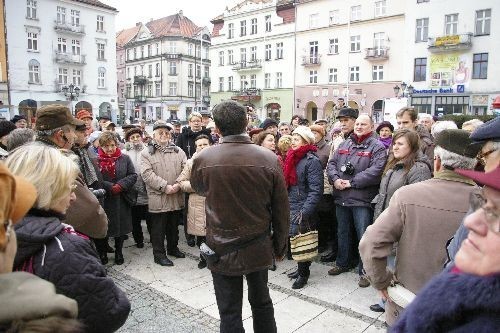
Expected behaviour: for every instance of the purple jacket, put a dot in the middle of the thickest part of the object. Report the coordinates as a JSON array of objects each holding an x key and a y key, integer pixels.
[{"x": 368, "y": 159}]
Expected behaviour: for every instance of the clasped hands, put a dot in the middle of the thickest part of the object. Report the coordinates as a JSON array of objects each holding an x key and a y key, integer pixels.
[
  {"x": 341, "y": 184},
  {"x": 171, "y": 189}
]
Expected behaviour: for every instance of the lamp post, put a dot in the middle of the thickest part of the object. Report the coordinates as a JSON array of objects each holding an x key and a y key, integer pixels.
[
  {"x": 396, "y": 90},
  {"x": 71, "y": 92}
]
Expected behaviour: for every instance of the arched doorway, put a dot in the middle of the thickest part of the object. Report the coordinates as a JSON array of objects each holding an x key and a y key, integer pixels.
[
  {"x": 105, "y": 109},
  {"x": 28, "y": 108},
  {"x": 328, "y": 110},
  {"x": 353, "y": 105},
  {"x": 311, "y": 111},
  {"x": 83, "y": 105},
  {"x": 377, "y": 110},
  {"x": 273, "y": 111}
]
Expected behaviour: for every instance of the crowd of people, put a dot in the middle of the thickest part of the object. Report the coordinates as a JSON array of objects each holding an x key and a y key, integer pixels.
[{"x": 395, "y": 203}]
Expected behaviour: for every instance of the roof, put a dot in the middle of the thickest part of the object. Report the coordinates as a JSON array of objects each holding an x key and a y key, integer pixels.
[
  {"x": 124, "y": 36},
  {"x": 173, "y": 25},
  {"x": 240, "y": 5},
  {"x": 96, "y": 4}
]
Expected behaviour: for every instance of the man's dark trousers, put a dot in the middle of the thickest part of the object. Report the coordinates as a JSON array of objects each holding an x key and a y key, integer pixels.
[
  {"x": 229, "y": 294},
  {"x": 164, "y": 225}
]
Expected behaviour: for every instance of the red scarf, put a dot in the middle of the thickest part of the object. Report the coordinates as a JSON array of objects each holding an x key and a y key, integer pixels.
[
  {"x": 107, "y": 162},
  {"x": 359, "y": 139},
  {"x": 292, "y": 158}
]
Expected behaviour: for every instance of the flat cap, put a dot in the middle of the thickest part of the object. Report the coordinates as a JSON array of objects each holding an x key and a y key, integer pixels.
[
  {"x": 268, "y": 122},
  {"x": 457, "y": 141},
  {"x": 348, "y": 112},
  {"x": 161, "y": 124},
  {"x": 489, "y": 131},
  {"x": 53, "y": 116}
]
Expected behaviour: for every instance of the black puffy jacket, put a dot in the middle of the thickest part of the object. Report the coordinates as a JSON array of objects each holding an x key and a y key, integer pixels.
[
  {"x": 51, "y": 251},
  {"x": 185, "y": 140}
]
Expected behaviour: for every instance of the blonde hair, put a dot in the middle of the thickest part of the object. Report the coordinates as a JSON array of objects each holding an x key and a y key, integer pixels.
[
  {"x": 285, "y": 142},
  {"x": 195, "y": 114},
  {"x": 47, "y": 168}
]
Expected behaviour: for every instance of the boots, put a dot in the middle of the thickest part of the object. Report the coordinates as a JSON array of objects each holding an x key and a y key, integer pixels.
[
  {"x": 118, "y": 251},
  {"x": 300, "y": 282},
  {"x": 202, "y": 263},
  {"x": 100, "y": 246},
  {"x": 303, "y": 275}
]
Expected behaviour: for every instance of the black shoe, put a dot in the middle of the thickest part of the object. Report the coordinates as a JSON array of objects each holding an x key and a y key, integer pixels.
[
  {"x": 140, "y": 245},
  {"x": 190, "y": 242},
  {"x": 272, "y": 267},
  {"x": 329, "y": 257},
  {"x": 104, "y": 258},
  {"x": 119, "y": 259},
  {"x": 300, "y": 282},
  {"x": 376, "y": 308},
  {"x": 164, "y": 262},
  {"x": 109, "y": 249},
  {"x": 202, "y": 264},
  {"x": 125, "y": 237},
  {"x": 293, "y": 275},
  {"x": 322, "y": 249},
  {"x": 177, "y": 253}
]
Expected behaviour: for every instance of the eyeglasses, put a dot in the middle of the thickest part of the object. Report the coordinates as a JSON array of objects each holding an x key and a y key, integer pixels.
[
  {"x": 481, "y": 157},
  {"x": 491, "y": 216}
]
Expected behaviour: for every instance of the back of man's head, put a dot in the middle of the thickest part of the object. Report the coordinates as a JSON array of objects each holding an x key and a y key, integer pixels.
[{"x": 230, "y": 118}]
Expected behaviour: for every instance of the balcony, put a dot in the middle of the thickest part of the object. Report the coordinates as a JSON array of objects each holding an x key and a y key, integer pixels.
[
  {"x": 69, "y": 58},
  {"x": 140, "y": 79},
  {"x": 206, "y": 81},
  {"x": 67, "y": 27},
  {"x": 450, "y": 43},
  {"x": 248, "y": 65},
  {"x": 311, "y": 60},
  {"x": 377, "y": 53},
  {"x": 247, "y": 95},
  {"x": 140, "y": 99},
  {"x": 206, "y": 99}
]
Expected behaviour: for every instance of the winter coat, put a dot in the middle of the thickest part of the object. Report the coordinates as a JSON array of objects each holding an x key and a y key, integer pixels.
[
  {"x": 426, "y": 143},
  {"x": 420, "y": 218},
  {"x": 159, "y": 169},
  {"x": 396, "y": 178},
  {"x": 368, "y": 159},
  {"x": 323, "y": 152},
  {"x": 305, "y": 196},
  {"x": 54, "y": 253},
  {"x": 196, "y": 218},
  {"x": 116, "y": 206},
  {"x": 231, "y": 176},
  {"x": 135, "y": 155},
  {"x": 185, "y": 140},
  {"x": 454, "y": 302}
]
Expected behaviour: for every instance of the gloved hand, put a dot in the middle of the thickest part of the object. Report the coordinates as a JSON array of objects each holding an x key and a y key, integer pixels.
[{"x": 116, "y": 189}]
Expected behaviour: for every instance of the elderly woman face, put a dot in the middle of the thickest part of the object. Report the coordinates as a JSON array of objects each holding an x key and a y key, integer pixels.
[
  {"x": 21, "y": 123},
  {"x": 479, "y": 253},
  {"x": 162, "y": 136},
  {"x": 195, "y": 123},
  {"x": 385, "y": 132},
  {"x": 298, "y": 141},
  {"x": 109, "y": 147},
  {"x": 135, "y": 138}
]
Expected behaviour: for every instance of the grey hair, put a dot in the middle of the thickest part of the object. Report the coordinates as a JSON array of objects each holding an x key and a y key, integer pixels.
[
  {"x": 454, "y": 160},
  {"x": 474, "y": 123},
  {"x": 49, "y": 133},
  {"x": 19, "y": 137},
  {"x": 441, "y": 125},
  {"x": 283, "y": 123}
]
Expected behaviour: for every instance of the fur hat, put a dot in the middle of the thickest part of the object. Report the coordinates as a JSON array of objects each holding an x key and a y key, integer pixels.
[
  {"x": 306, "y": 134},
  {"x": 318, "y": 128},
  {"x": 17, "y": 117},
  {"x": 457, "y": 141},
  {"x": 384, "y": 124},
  {"x": 135, "y": 130}
]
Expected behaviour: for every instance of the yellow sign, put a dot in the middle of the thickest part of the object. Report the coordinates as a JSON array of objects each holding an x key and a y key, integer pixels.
[
  {"x": 447, "y": 40},
  {"x": 173, "y": 108}
]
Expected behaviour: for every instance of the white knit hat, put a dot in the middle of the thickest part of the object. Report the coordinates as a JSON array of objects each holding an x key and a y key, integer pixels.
[{"x": 306, "y": 134}]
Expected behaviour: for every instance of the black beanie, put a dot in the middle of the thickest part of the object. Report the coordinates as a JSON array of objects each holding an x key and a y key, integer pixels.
[{"x": 6, "y": 127}]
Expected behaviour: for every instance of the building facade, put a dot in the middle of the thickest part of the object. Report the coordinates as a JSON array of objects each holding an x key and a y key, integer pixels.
[
  {"x": 54, "y": 44},
  {"x": 122, "y": 38},
  {"x": 253, "y": 53},
  {"x": 167, "y": 69},
  {"x": 4, "y": 93}
]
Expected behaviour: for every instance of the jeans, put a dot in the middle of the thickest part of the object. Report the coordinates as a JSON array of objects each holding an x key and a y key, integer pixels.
[
  {"x": 361, "y": 217},
  {"x": 164, "y": 225},
  {"x": 229, "y": 295}
]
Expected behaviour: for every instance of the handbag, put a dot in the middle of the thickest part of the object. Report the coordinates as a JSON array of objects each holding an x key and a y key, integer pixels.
[
  {"x": 400, "y": 295},
  {"x": 130, "y": 196},
  {"x": 304, "y": 246}
]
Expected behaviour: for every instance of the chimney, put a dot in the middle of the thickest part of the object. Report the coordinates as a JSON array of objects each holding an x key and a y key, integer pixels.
[
  {"x": 181, "y": 13},
  {"x": 138, "y": 24}
]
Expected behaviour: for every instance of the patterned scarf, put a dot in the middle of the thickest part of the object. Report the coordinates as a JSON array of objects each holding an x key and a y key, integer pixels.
[
  {"x": 292, "y": 158},
  {"x": 107, "y": 162},
  {"x": 86, "y": 166}
]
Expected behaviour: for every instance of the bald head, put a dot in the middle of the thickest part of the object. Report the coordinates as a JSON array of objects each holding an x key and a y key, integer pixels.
[{"x": 363, "y": 125}]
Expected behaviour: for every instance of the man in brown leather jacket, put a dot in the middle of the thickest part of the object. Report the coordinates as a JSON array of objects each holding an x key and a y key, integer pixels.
[{"x": 247, "y": 218}]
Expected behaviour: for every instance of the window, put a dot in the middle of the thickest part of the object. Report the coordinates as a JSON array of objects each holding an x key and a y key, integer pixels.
[
  {"x": 172, "y": 68},
  {"x": 230, "y": 57},
  {"x": 354, "y": 74},
  {"x": 32, "y": 41},
  {"x": 313, "y": 52},
  {"x": 172, "y": 88},
  {"x": 334, "y": 17},
  {"x": 253, "y": 53},
  {"x": 190, "y": 70},
  {"x": 268, "y": 23},
  {"x": 243, "y": 81},
  {"x": 135, "y": 52},
  {"x": 206, "y": 72},
  {"x": 150, "y": 51},
  {"x": 450, "y": 24},
  {"x": 128, "y": 72},
  {"x": 230, "y": 83},
  {"x": 380, "y": 7},
  {"x": 100, "y": 23},
  {"x": 157, "y": 89},
  {"x": 150, "y": 70},
  {"x": 313, "y": 21},
  {"x": 197, "y": 50},
  {"x": 100, "y": 51},
  {"x": 150, "y": 90},
  {"x": 198, "y": 71},
  {"x": 31, "y": 9},
  {"x": 61, "y": 15},
  {"x": 158, "y": 48},
  {"x": 422, "y": 104},
  {"x": 420, "y": 69},
  {"x": 378, "y": 73},
  {"x": 379, "y": 43},
  {"x": 243, "y": 55},
  {"x": 334, "y": 46},
  {"x": 483, "y": 22},
  {"x": 61, "y": 45},
  {"x": 422, "y": 30},
  {"x": 267, "y": 80},
  {"x": 206, "y": 54},
  {"x": 313, "y": 76},
  {"x": 279, "y": 50},
  {"x": 355, "y": 13},
  {"x": 230, "y": 30},
  {"x": 190, "y": 89},
  {"x": 75, "y": 18},
  {"x": 75, "y": 47},
  {"x": 332, "y": 75},
  {"x": 279, "y": 79},
  {"x": 101, "y": 77},
  {"x": 355, "y": 43},
  {"x": 253, "y": 81},
  {"x": 77, "y": 77},
  {"x": 221, "y": 83},
  {"x": 243, "y": 28},
  {"x": 157, "y": 70},
  {"x": 190, "y": 49},
  {"x": 62, "y": 77},
  {"x": 172, "y": 47},
  {"x": 480, "y": 66},
  {"x": 268, "y": 52},
  {"x": 254, "y": 26},
  {"x": 34, "y": 71},
  {"x": 221, "y": 58}
]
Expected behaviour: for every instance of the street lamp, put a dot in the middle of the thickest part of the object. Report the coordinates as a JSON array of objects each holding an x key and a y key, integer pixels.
[
  {"x": 71, "y": 93},
  {"x": 396, "y": 90}
]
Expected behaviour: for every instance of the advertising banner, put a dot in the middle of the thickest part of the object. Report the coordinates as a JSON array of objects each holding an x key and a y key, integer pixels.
[{"x": 448, "y": 70}]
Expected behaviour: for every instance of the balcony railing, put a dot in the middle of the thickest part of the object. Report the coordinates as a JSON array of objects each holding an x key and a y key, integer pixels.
[
  {"x": 377, "y": 53},
  {"x": 140, "y": 99},
  {"x": 67, "y": 27},
  {"x": 450, "y": 43},
  {"x": 248, "y": 65},
  {"x": 206, "y": 99},
  {"x": 311, "y": 60},
  {"x": 69, "y": 58},
  {"x": 140, "y": 79}
]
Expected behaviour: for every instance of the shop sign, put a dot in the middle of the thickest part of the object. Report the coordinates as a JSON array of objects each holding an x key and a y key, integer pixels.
[
  {"x": 434, "y": 91},
  {"x": 173, "y": 108},
  {"x": 448, "y": 70},
  {"x": 272, "y": 98},
  {"x": 447, "y": 40}
]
